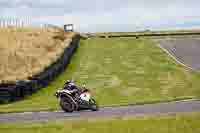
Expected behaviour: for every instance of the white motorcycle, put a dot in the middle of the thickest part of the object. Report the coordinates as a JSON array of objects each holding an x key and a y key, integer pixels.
[{"x": 75, "y": 100}]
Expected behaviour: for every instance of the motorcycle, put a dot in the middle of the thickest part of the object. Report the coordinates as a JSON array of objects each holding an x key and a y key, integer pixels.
[{"x": 76, "y": 100}]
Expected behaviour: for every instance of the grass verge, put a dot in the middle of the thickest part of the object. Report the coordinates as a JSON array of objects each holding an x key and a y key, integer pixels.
[
  {"x": 181, "y": 123},
  {"x": 119, "y": 71}
]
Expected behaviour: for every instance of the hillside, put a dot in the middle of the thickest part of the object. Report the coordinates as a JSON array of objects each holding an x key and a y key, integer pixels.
[{"x": 25, "y": 52}]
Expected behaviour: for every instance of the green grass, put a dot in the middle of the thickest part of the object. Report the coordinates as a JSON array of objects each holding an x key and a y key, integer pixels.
[
  {"x": 188, "y": 123},
  {"x": 119, "y": 71}
]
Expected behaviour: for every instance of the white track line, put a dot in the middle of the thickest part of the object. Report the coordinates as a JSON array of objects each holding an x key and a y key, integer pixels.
[{"x": 174, "y": 58}]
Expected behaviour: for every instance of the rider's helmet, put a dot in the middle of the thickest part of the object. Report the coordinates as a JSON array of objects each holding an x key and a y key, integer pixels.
[
  {"x": 67, "y": 82},
  {"x": 71, "y": 84}
]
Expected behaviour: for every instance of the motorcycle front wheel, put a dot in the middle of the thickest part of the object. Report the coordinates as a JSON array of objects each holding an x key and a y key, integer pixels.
[{"x": 93, "y": 105}]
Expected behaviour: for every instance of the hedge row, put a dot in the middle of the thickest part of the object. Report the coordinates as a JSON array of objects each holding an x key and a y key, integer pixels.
[{"x": 12, "y": 92}]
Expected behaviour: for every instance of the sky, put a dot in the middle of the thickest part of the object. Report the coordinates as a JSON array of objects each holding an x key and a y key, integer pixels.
[{"x": 107, "y": 15}]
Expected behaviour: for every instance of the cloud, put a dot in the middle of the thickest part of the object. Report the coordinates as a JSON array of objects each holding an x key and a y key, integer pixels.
[
  {"x": 106, "y": 15},
  {"x": 70, "y": 5}
]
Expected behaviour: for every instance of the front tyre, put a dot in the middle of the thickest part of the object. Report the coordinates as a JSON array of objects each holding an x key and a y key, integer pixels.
[
  {"x": 67, "y": 104},
  {"x": 93, "y": 105}
]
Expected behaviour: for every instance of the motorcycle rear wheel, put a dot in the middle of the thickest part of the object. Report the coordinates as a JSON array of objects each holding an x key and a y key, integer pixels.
[{"x": 67, "y": 104}]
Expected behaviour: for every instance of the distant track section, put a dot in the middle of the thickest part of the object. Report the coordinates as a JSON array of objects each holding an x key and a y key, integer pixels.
[
  {"x": 147, "y": 34},
  {"x": 185, "y": 51}
]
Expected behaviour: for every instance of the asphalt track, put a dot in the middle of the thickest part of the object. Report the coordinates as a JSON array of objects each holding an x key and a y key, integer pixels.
[
  {"x": 186, "y": 51},
  {"x": 149, "y": 109}
]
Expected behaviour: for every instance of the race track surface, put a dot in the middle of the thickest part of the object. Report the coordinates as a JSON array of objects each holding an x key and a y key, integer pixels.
[
  {"x": 185, "y": 50},
  {"x": 160, "y": 108}
]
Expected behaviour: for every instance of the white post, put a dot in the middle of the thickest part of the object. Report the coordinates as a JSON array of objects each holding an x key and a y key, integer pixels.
[
  {"x": 22, "y": 23},
  {"x": 2, "y": 21},
  {"x": 16, "y": 23},
  {"x": 11, "y": 22},
  {"x": 6, "y": 23}
]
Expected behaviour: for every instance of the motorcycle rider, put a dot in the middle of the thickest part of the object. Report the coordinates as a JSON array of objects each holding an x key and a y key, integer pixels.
[
  {"x": 83, "y": 92},
  {"x": 70, "y": 85},
  {"x": 81, "y": 99}
]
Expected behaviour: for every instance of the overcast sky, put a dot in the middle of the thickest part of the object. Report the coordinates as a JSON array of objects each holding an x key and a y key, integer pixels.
[{"x": 107, "y": 15}]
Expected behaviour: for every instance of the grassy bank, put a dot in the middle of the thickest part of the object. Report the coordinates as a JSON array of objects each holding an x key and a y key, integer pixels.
[
  {"x": 188, "y": 123},
  {"x": 119, "y": 71},
  {"x": 25, "y": 52}
]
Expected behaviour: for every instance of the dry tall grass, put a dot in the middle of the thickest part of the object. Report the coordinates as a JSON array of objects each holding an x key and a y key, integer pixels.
[{"x": 25, "y": 52}]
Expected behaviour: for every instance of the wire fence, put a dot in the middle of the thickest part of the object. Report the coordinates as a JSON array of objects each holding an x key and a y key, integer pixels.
[{"x": 22, "y": 23}]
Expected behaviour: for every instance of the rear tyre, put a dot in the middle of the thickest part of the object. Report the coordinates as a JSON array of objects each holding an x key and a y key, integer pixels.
[
  {"x": 67, "y": 104},
  {"x": 93, "y": 105}
]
